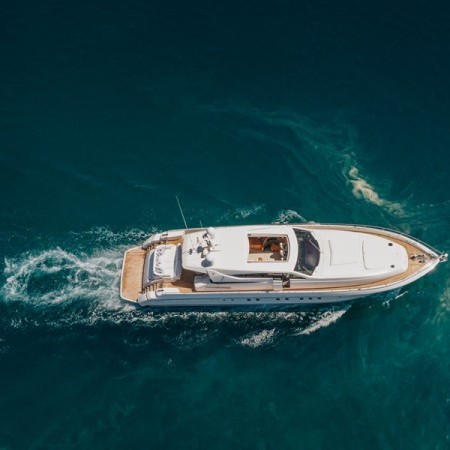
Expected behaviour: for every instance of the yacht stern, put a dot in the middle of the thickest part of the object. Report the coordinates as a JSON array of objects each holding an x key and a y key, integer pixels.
[{"x": 132, "y": 272}]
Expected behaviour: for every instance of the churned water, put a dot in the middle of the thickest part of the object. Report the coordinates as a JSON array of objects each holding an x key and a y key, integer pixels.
[{"x": 251, "y": 112}]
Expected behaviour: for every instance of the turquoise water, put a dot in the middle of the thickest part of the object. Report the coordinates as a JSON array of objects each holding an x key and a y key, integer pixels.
[{"x": 250, "y": 112}]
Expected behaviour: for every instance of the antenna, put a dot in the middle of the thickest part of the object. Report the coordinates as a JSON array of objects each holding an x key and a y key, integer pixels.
[
  {"x": 181, "y": 211},
  {"x": 185, "y": 223}
]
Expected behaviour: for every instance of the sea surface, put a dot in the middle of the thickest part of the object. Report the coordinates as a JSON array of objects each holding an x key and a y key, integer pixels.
[{"x": 250, "y": 112}]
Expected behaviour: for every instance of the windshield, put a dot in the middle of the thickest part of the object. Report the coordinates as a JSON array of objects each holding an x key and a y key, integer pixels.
[{"x": 308, "y": 252}]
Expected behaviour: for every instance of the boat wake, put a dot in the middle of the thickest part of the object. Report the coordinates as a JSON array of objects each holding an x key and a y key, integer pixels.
[
  {"x": 80, "y": 267},
  {"x": 56, "y": 275},
  {"x": 289, "y": 324},
  {"x": 362, "y": 189},
  {"x": 242, "y": 213},
  {"x": 288, "y": 216},
  {"x": 325, "y": 320},
  {"x": 59, "y": 289},
  {"x": 257, "y": 339}
]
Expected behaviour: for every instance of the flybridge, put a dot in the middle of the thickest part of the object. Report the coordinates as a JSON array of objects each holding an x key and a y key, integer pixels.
[
  {"x": 240, "y": 250},
  {"x": 327, "y": 255}
]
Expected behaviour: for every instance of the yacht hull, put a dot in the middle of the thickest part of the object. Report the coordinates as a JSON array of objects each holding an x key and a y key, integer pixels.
[{"x": 182, "y": 294}]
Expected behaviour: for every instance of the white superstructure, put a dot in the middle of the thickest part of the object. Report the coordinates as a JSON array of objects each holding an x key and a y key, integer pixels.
[{"x": 271, "y": 264}]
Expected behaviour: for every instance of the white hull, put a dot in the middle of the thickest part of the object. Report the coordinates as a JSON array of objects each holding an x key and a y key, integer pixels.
[
  {"x": 171, "y": 295},
  {"x": 264, "y": 298}
]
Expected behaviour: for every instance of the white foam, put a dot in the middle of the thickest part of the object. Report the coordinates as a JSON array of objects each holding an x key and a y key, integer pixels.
[
  {"x": 53, "y": 276},
  {"x": 257, "y": 339},
  {"x": 251, "y": 211},
  {"x": 364, "y": 190},
  {"x": 288, "y": 216},
  {"x": 104, "y": 235},
  {"x": 243, "y": 212},
  {"x": 58, "y": 275},
  {"x": 323, "y": 320}
]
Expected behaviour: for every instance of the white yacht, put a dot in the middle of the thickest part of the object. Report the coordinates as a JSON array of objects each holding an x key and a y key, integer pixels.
[{"x": 281, "y": 265}]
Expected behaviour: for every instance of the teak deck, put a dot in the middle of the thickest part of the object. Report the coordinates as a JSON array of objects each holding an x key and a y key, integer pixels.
[
  {"x": 185, "y": 283},
  {"x": 133, "y": 267}
]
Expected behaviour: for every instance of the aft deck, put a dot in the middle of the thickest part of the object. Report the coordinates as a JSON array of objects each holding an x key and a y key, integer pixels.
[
  {"x": 185, "y": 284},
  {"x": 133, "y": 267}
]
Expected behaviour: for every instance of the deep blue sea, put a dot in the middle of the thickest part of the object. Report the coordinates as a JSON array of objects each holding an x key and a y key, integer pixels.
[{"x": 250, "y": 112}]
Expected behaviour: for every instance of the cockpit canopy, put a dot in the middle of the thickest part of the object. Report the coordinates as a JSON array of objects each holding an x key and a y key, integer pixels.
[{"x": 267, "y": 248}]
